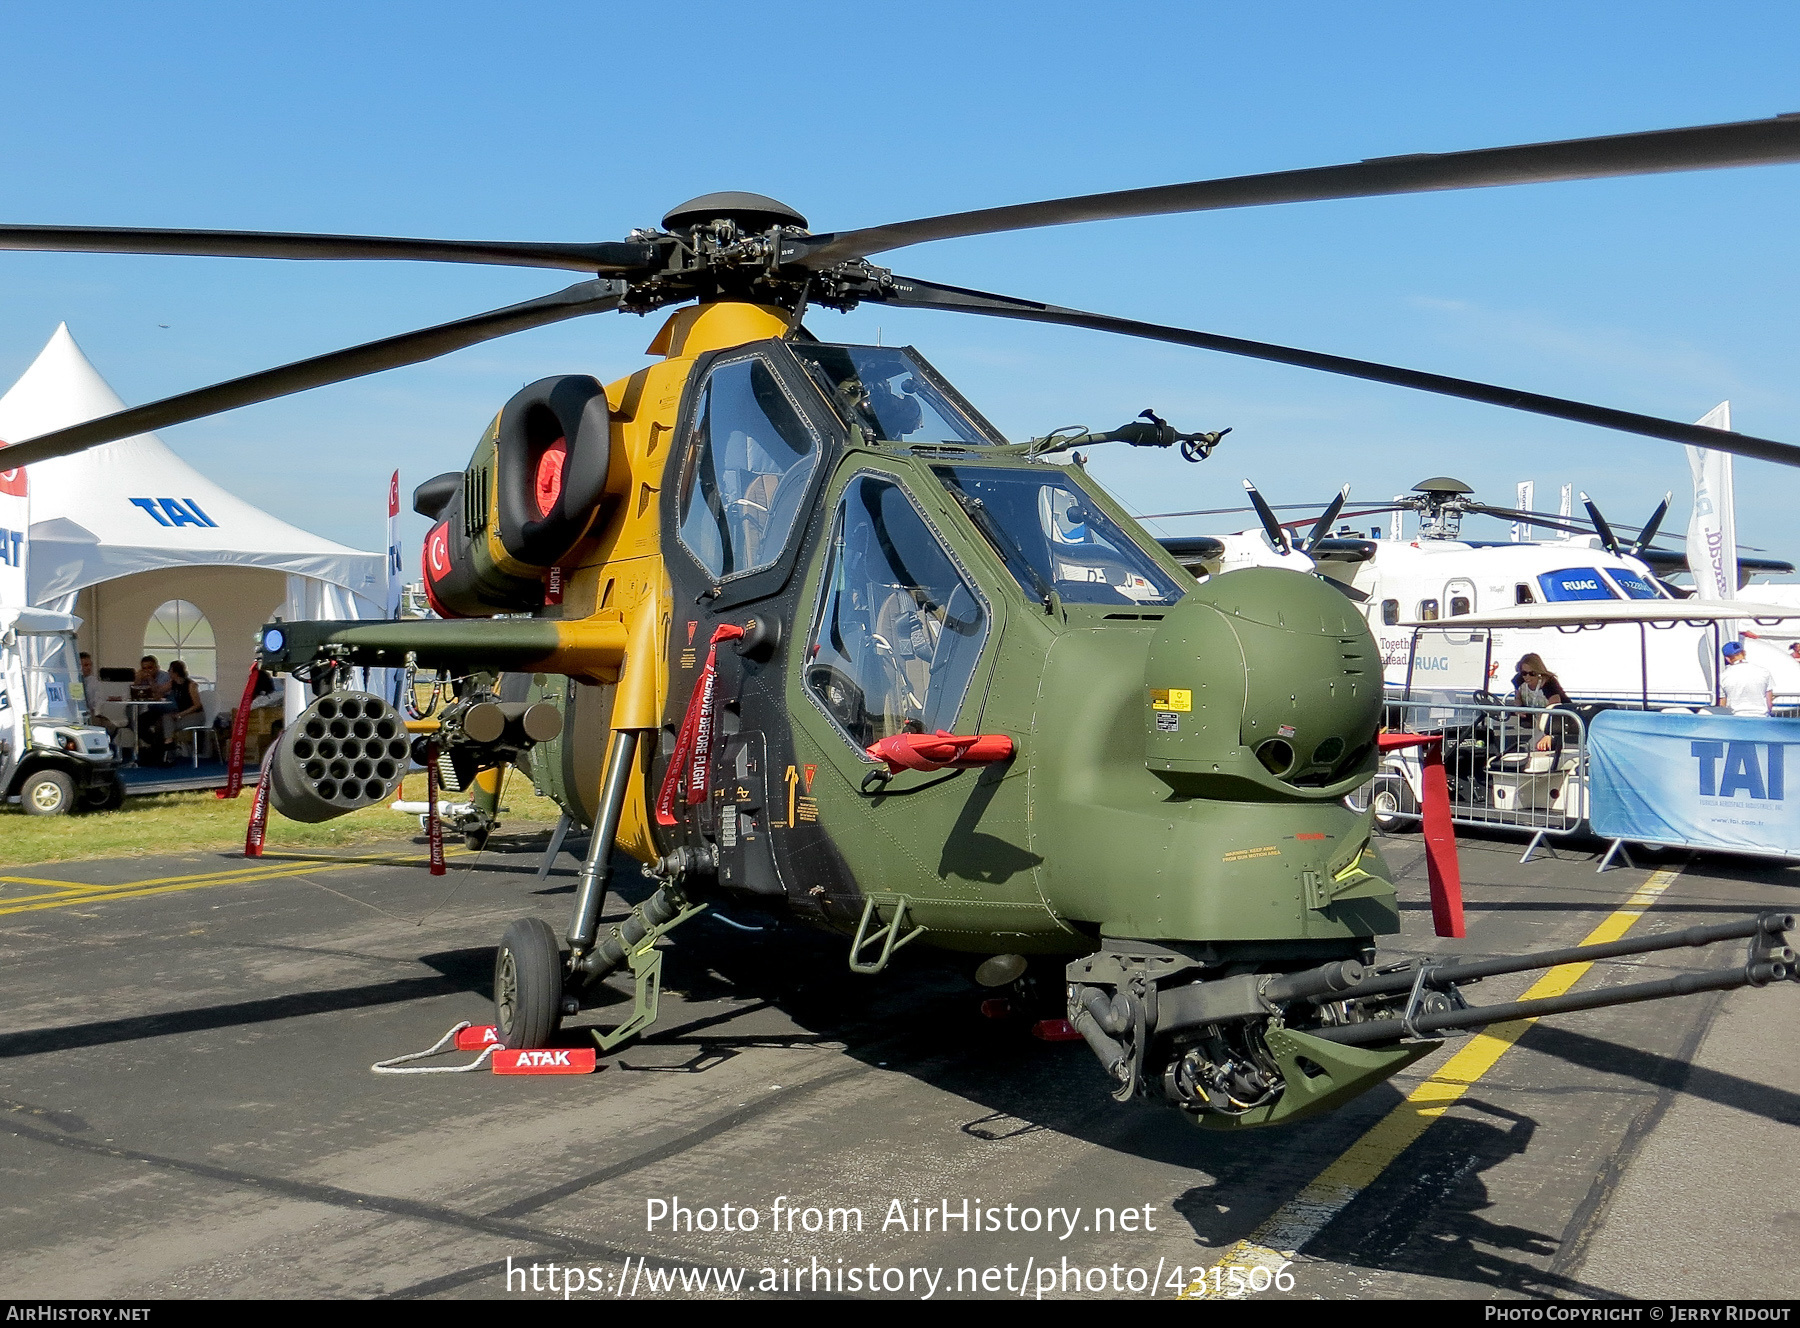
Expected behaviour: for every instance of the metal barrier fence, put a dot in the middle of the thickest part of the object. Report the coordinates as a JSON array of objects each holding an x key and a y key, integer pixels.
[{"x": 1507, "y": 767}]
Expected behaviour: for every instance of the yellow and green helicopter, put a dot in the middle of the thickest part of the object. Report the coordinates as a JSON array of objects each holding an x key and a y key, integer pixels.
[{"x": 793, "y": 625}]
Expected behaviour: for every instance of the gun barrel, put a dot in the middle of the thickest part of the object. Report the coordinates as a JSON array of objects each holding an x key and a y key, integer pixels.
[
  {"x": 1442, "y": 975},
  {"x": 1685, "y": 984}
]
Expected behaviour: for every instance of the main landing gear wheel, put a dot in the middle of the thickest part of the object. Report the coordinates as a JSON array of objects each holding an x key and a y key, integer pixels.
[
  {"x": 528, "y": 982},
  {"x": 47, "y": 793}
]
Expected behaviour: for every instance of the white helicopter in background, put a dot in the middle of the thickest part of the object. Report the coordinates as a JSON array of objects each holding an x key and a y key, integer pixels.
[{"x": 1403, "y": 585}]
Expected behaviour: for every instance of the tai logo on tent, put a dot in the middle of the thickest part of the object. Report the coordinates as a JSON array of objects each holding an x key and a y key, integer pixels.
[
  {"x": 173, "y": 512},
  {"x": 1754, "y": 768}
]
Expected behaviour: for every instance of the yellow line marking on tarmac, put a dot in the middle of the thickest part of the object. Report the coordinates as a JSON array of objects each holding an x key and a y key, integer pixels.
[
  {"x": 1285, "y": 1232},
  {"x": 70, "y": 893},
  {"x": 192, "y": 881},
  {"x": 55, "y": 885}
]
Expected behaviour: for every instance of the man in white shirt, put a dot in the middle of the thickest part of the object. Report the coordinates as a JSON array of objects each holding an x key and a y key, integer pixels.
[{"x": 1745, "y": 688}]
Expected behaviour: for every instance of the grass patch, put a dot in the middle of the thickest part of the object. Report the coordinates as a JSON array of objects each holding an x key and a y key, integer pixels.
[{"x": 200, "y": 823}]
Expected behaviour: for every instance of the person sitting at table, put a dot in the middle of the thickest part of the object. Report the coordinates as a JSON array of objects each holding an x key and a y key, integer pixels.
[
  {"x": 89, "y": 713},
  {"x": 1536, "y": 687},
  {"x": 184, "y": 696},
  {"x": 151, "y": 684}
]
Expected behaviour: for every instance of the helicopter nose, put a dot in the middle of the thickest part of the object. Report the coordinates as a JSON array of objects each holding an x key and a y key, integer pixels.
[{"x": 1262, "y": 683}]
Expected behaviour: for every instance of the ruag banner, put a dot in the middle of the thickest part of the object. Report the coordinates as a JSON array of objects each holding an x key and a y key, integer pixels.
[{"x": 1703, "y": 781}]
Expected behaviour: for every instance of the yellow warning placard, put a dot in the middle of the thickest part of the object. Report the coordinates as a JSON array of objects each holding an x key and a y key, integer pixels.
[
  {"x": 1171, "y": 698},
  {"x": 1245, "y": 854}
]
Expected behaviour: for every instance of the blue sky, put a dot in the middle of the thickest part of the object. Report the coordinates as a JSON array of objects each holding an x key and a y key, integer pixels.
[{"x": 1662, "y": 295}]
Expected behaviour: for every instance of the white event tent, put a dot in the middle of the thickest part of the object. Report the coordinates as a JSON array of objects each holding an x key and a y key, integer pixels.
[{"x": 121, "y": 530}]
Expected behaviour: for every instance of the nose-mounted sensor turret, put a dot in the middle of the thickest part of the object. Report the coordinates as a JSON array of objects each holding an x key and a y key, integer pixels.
[{"x": 1261, "y": 683}]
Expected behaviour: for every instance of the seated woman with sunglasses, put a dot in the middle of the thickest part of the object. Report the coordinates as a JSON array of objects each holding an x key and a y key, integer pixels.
[{"x": 1537, "y": 687}]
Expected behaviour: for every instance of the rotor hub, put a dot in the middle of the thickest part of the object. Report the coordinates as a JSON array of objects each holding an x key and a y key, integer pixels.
[{"x": 749, "y": 212}]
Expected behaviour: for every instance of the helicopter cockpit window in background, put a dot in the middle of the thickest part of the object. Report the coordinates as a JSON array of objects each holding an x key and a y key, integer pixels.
[
  {"x": 745, "y": 472},
  {"x": 899, "y": 627},
  {"x": 1053, "y": 538},
  {"x": 1575, "y": 583},
  {"x": 1634, "y": 586},
  {"x": 887, "y": 394}
]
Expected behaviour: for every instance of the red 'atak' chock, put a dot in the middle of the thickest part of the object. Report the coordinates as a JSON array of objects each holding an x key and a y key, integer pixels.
[
  {"x": 940, "y": 751},
  {"x": 1440, "y": 834},
  {"x": 549, "y": 1060}
]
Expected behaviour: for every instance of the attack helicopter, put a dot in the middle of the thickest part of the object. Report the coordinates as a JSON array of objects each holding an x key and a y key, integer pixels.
[{"x": 790, "y": 623}]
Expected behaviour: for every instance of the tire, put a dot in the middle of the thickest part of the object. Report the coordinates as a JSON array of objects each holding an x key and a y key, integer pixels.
[
  {"x": 528, "y": 984},
  {"x": 107, "y": 797},
  {"x": 475, "y": 840},
  {"x": 1396, "y": 809},
  {"x": 47, "y": 793}
]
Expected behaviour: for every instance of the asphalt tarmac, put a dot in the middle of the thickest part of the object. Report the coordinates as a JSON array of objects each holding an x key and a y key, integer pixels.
[{"x": 187, "y": 1110}]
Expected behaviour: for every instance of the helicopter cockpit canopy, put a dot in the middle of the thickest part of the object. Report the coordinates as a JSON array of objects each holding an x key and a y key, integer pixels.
[
  {"x": 890, "y": 394},
  {"x": 746, "y": 471},
  {"x": 900, "y": 626},
  {"x": 1054, "y": 538}
]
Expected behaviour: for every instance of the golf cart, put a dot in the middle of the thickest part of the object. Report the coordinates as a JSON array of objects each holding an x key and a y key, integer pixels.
[{"x": 51, "y": 760}]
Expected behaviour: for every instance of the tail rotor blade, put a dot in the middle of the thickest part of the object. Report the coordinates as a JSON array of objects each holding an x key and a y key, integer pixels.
[
  {"x": 1654, "y": 524},
  {"x": 1322, "y": 527},
  {"x": 1277, "y": 536},
  {"x": 1608, "y": 540}
]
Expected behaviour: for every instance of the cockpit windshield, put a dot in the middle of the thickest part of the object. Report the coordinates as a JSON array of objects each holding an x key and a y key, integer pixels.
[
  {"x": 52, "y": 674},
  {"x": 1634, "y": 586},
  {"x": 886, "y": 393},
  {"x": 1053, "y": 537}
]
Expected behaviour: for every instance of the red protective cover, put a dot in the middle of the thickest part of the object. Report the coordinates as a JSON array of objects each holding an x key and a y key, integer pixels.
[
  {"x": 551, "y": 1060},
  {"x": 941, "y": 751},
  {"x": 1440, "y": 834}
]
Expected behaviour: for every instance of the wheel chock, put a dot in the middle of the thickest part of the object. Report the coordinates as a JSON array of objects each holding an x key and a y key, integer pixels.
[
  {"x": 484, "y": 1038},
  {"x": 549, "y": 1060}
]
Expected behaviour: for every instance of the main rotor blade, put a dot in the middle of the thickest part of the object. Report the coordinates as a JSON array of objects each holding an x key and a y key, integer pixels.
[
  {"x": 1648, "y": 533},
  {"x": 909, "y": 292},
  {"x": 585, "y": 297},
  {"x": 601, "y": 257},
  {"x": 1277, "y": 535},
  {"x": 1702, "y": 147},
  {"x": 1531, "y": 518},
  {"x": 1323, "y": 526},
  {"x": 1231, "y": 511}
]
